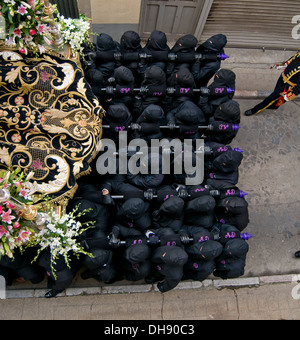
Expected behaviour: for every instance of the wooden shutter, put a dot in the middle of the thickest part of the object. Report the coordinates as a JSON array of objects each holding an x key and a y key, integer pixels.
[{"x": 251, "y": 23}]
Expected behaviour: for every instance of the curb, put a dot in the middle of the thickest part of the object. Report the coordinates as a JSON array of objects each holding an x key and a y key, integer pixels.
[
  {"x": 245, "y": 94},
  {"x": 147, "y": 288}
]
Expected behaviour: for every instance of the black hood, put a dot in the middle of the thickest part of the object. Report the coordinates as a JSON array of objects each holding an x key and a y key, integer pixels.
[
  {"x": 225, "y": 77},
  {"x": 206, "y": 251},
  {"x": 154, "y": 75},
  {"x": 189, "y": 113},
  {"x": 201, "y": 205},
  {"x": 94, "y": 77},
  {"x": 130, "y": 42},
  {"x": 105, "y": 42},
  {"x": 235, "y": 248},
  {"x": 152, "y": 114},
  {"x": 234, "y": 211},
  {"x": 124, "y": 76},
  {"x": 170, "y": 214},
  {"x": 183, "y": 77},
  {"x": 157, "y": 42},
  {"x": 133, "y": 208},
  {"x": 173, "y": 256},
  {"x": 187, "y": 43},
  {"x": 135, "y": 212},
  {"x": 230, "y": 268},
  {"x": 228, "y": 232},
  {"x": 216, "y": 43},
  {"x": 228, "y": 161},
  {"x": 118, "y": 113},
  {"x": 96, "y": 80},
  {"x": 234, "y": 205},
  {"x": 200, "y": 211},
  {"x": 137, "y": 253},
  {"x": 229, "y": 112}
]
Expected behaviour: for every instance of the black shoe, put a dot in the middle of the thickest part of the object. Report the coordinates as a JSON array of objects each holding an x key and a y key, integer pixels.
[
  {"x": 297, "y": 254},
  {"x": 52, "y": 293},
  {"x": 249, "y": 113}
]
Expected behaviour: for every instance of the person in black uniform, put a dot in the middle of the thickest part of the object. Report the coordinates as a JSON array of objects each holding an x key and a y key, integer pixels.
[
  {"x": 63, "y": 276},
  {"x": 21, "y": 268},
  {"x": 124, "y": 82},
  {"x": 104, "y": 60},
  {"x": 184, "y": 50},
  {"x": 286, "y": 89},
  {"x": 168, "y": 260},
  {"x": 130, "y": 46},
  {"x": 155, "y": 86},
  {"x": 150, "y": 121},
  {"x": 183, "y": 82},
  {"x": 158, "y": 49},
  {"x": 118, "y": 117},
  {"x": 204, "y": 70}
]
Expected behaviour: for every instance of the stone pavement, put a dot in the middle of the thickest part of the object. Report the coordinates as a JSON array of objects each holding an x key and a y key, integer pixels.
[
  {"x": 270, "y": 174},
  {"x": 251, "y": 299}
]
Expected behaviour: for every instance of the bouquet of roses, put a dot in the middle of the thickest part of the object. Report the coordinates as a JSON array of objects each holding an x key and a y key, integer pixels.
[
  {"x": 60, "y": 236},
  {"x": 27, "y": 27},
  {"x": 15, "y": 231}
]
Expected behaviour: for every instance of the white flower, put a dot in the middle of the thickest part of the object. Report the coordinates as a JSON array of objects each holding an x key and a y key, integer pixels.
[{"x": 29, "y": 176}]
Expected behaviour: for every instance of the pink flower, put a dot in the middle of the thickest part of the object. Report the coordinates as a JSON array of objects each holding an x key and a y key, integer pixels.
[
  {"x": 1, "y": 209},
  {"x": 24, "y": 235},
  {"x": 41, "y": 28},
  {"x": 22, "y": 10},
  {"x": 17, "y": 32},
  {"x": 32, "y": 32},
  {"x": 7, "y": 217},
  {"x": 31, "y": 3},
  {"x": 18, "y": 183},
  {"x": 9, "y": 205},
  {"x": 16, "y": 225},
  {"x": 23, "y": 193},
  {"x": 22, "y": 50},
  {"x": 3, "y": 231}
]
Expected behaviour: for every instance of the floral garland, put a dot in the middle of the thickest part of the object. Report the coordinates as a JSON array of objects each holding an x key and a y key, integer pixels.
[
  {"x": 27, "y": 27},
  {"x": 15, "y": 231}
]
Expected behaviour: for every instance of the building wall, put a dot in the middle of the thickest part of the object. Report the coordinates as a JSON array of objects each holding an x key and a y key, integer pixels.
[
  {"x": 113, "y": 17},
  {"x": 247, "y": 23}
]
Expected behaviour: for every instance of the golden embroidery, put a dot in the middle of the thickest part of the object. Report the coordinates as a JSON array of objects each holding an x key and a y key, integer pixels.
[{"x": 50, "y": 121}]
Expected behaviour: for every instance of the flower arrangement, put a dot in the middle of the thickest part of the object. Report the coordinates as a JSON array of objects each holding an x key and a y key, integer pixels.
[
  {"x": 60, "y": 236},
  {"x": 15, "y": 231},
  {"x": 27, "y": 27},
  {"x": 75, "y": 32}
]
